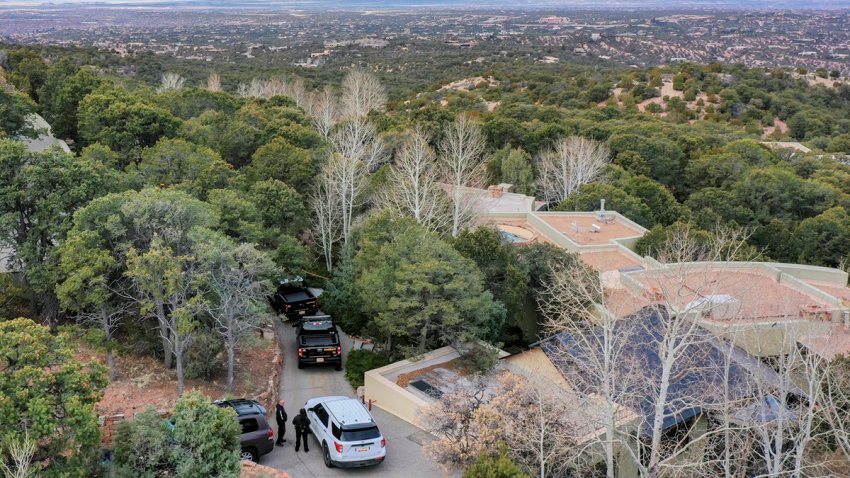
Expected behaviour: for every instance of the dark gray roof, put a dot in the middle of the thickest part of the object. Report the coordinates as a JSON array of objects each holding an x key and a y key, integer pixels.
[{"x": 699, "y": 380}]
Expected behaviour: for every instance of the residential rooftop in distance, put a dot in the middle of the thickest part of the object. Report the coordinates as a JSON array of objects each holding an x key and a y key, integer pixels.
[
  {"x": 586, "y": 228},
  {"x": 610, "y": 259}
]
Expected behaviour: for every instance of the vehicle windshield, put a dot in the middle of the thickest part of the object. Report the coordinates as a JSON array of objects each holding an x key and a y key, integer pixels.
[
  {"x": 317, "y": 327},
  {"x": 358, "y": 434}
]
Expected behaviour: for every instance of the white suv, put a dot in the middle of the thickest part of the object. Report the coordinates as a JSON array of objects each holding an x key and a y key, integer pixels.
[{"x": 347, "y": 432}]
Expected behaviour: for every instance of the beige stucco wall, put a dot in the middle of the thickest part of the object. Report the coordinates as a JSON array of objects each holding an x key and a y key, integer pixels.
[{"x": 381, "y": 388}]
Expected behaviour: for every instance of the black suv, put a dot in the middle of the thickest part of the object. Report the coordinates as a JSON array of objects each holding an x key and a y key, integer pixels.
[
  {"x": 294, "y": 299},
  {"x": 256, "y": 436},
  {"x": 318, "y": 341}
]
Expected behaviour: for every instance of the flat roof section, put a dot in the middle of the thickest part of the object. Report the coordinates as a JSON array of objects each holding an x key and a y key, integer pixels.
[
  {"x": 579, "y": 228},
  {"x": 622, "y": 303},
  {"x": 830, "y": 345},
  {"x": 604, "y": 261},
  {"x": 761, "y": 297},
  {"x": 483, "y": 201},
  {"x": 835, "y": 290}
]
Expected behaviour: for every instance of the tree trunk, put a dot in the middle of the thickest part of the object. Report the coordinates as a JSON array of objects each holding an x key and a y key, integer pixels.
[
  {"x": 423, "y": 336},
  {"x": 178, "y": 358},
  {"x": 456, "y": 211},
  {"x": 231, "y": 362},
  {"x": 164, "y": 334},
  {"x": 110, "y": 361},
  {"x": 51, "y": 312},
  {"x": 107, "y": 334},
  {"x": 658, "y": 419}
]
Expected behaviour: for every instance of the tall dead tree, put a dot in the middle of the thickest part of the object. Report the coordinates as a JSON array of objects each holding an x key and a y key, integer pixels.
[
  {"x": 461, "y": 160},
  {"x": 570, "y": 163},
  {"x": 359, "y": 150},
  {"x": 610, "y": 360},
  {"x": 324, "y": 109},
  {"x": 413, "y": 188},
  {"x": 569, "y": 305},
  {"x": 836, "y": 400},
  {"x": 327, "y": 215},
  {"x": 214, "y": 82},
  {"x": 171, "y": 81},
  {"x": 362, "y": 92}
]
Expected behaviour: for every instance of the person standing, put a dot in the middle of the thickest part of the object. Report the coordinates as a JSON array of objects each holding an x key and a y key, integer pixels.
[
  {"x": 280, "y": 417},
  {"x": 302, "y": 428}
]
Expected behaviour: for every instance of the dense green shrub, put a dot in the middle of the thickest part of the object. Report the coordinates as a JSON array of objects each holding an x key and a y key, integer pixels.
[
  {"x": 49, "y": 396},
  {"x": 141, "y": 447},
  {"x": 202, "y": 439},
  {"x": 479, "y": 359},
  {"x": 359, "y": 362},
  {"x": 204, "y": 357},
  {"x": 494, "y": 466}
]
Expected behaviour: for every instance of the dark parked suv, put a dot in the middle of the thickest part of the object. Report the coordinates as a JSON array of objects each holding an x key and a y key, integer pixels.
[
  {"x": 257, "y": 437},
  {"x": 318, "y": 341}
]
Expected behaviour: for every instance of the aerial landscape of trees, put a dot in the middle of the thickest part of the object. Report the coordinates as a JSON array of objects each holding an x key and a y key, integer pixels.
[{"x": 180, "y": 205}]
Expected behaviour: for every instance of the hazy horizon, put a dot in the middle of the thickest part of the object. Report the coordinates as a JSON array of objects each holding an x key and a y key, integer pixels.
[{"x": 424, "y": 4}]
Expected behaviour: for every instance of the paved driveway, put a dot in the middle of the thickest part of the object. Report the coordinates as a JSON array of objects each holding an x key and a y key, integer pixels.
[{"x": 404, "y": 441}]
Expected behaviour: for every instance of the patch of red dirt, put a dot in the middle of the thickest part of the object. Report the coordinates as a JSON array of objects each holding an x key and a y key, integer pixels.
[{"x": 143, "y": 381}]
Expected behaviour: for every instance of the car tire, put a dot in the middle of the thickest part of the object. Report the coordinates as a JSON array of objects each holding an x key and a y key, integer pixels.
[
  {"x": 326, "y": 455},
  {"x": 338, "y": 367},
  {"x": 300, "y": 364},
  {"x": 249, "y": 454}
]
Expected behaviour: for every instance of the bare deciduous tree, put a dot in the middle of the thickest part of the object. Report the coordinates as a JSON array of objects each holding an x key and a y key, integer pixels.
[
  {"x": 453, "y": 419},
  {"x": 171, "y": 81},
  {"x": 687, "y": 243},
  {"x": 358, "y": 139},
  {"x": 611, "y": 363},
  {"x": 785, "y": 437},
  {"x": 362, "y": 92},
  {"x": 413, "y": 188},
  {"x": 358, "y": 150},
  {"x": 568, "y": 305},
  {"x": 20, "y": 450},
  {"x": 256, "y": 89},
  {"x": 836, "y": 399},
  {"x": 273, "y": 87},
  {"x": 570, "y": 163},
  {"x": 323, "y": 107},
  {"x": 347, "y": 178},
  {"x": 295, "y": 89},
  {"x": 532, "y": 419},
  {"x": 461, "y": 159},
  {"x": 327, "y": 216},
  {"x": 214, "y": 82}
]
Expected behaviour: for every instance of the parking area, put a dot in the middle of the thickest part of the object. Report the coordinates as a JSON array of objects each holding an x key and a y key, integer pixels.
[{"x": 404, "y": 441}]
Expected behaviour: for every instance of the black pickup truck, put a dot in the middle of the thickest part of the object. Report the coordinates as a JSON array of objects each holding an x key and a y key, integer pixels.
[
  {"x": 294, "y": 299},
  {"x": 318, "y": 341}
]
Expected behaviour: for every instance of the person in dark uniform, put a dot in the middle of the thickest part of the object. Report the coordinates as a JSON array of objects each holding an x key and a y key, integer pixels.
[
  {"x": 280, "y": 417},
  {"x": 302, "y": 428}
]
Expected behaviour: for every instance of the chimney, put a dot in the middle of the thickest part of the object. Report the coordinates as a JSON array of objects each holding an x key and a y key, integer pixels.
[{"x": 496, "y": 191}]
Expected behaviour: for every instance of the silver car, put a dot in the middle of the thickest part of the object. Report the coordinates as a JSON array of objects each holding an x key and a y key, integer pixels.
[{"x": 347, "y": 432}]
